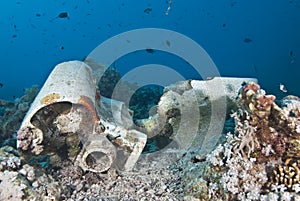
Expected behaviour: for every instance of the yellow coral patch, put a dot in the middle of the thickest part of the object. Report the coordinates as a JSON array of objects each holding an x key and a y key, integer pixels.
[{"x": 50, "y": 98}]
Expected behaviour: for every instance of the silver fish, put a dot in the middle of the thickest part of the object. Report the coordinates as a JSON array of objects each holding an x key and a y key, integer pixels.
[{"x": 282, "y": 88}]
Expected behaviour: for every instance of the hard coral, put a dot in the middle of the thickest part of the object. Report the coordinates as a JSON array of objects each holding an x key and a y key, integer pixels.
[
  {"x": 12, "y": 114},
  {"x": 262, "y": 114},
  {"x": 276, "y": 131},
  {"x": 251, "y": 87},
  {"x": 260, "y": 160},
  {"x": 245, "y": 141},
  {"x": 287, "y": 174},
  {"x": 10, "y": 188},
  {"x": 254, "y": 100},
  {"x": 26, "y": 138},
  {"x": 30, "y": 139}
]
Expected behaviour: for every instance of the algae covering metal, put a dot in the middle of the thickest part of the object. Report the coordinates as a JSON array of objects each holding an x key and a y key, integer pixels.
[{"x": 64, "y": 123}]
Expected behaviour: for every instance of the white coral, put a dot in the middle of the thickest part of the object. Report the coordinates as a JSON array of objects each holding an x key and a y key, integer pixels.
[
  {"x": 298, "y": 128},
  {"x": 238, "y": 180},
  {"x": 9, "y": 189},
  {"x": 286, "y": 196},
  {"x": 296, "y": 188},
  {"x": 267, "y": 150},
  {"x": 215, "y": 156},
  {"x": 246, "y": 139}
]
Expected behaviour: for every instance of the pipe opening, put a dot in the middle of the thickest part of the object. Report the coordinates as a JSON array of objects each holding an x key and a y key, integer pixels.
[{"x": 98, "y": 160}]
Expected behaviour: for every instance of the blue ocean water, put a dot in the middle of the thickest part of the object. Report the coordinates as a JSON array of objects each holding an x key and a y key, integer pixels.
[{"x": 244, "y": 38}]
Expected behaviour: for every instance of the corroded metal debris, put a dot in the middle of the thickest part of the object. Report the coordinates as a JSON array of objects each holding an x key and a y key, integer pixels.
[{"x": 63, "y": 122}]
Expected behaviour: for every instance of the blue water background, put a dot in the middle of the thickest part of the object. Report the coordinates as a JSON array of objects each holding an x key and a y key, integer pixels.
[{"x": 33, "y": 39}]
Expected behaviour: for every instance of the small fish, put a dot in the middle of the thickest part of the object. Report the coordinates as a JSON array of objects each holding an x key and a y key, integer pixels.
[
  {"x": 63, "y": 15},
  {"x": 282, "y": 88},
  {"x": 38, "y": 15},
  {"x": 148, "y": 10},
  {"x": 292, "y": 56},
  {"x": 247, "y": 40},
  {"x": 169, "y": 7},
  {"x": 150, "y": 50},
  {"x": 1, "y": 85}
]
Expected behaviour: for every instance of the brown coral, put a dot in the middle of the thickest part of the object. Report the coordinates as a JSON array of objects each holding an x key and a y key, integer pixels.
[
  {"x": 256, "y": 102},
  {"x": 287, "y": 174},
  {"x": 25, "y": 137},
  {"x": 277, "y": 130},
  {"x": 30, "y": 139},
  {"x": 263, "y": 115}
]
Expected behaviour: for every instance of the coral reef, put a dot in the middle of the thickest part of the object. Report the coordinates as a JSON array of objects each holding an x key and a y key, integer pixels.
[
  {"x": 258, "y": 158},
  {"x": 259, "y": 161},
  {"x": 144, "y": 100},
  {"x": 14, "y": 113}
]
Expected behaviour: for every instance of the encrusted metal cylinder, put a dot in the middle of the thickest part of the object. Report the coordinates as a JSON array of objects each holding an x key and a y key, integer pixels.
[
  {"x": 98, "y": 154},
  {"x": 65, "y": 105},
  {"x": 63, "y": 123}
]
